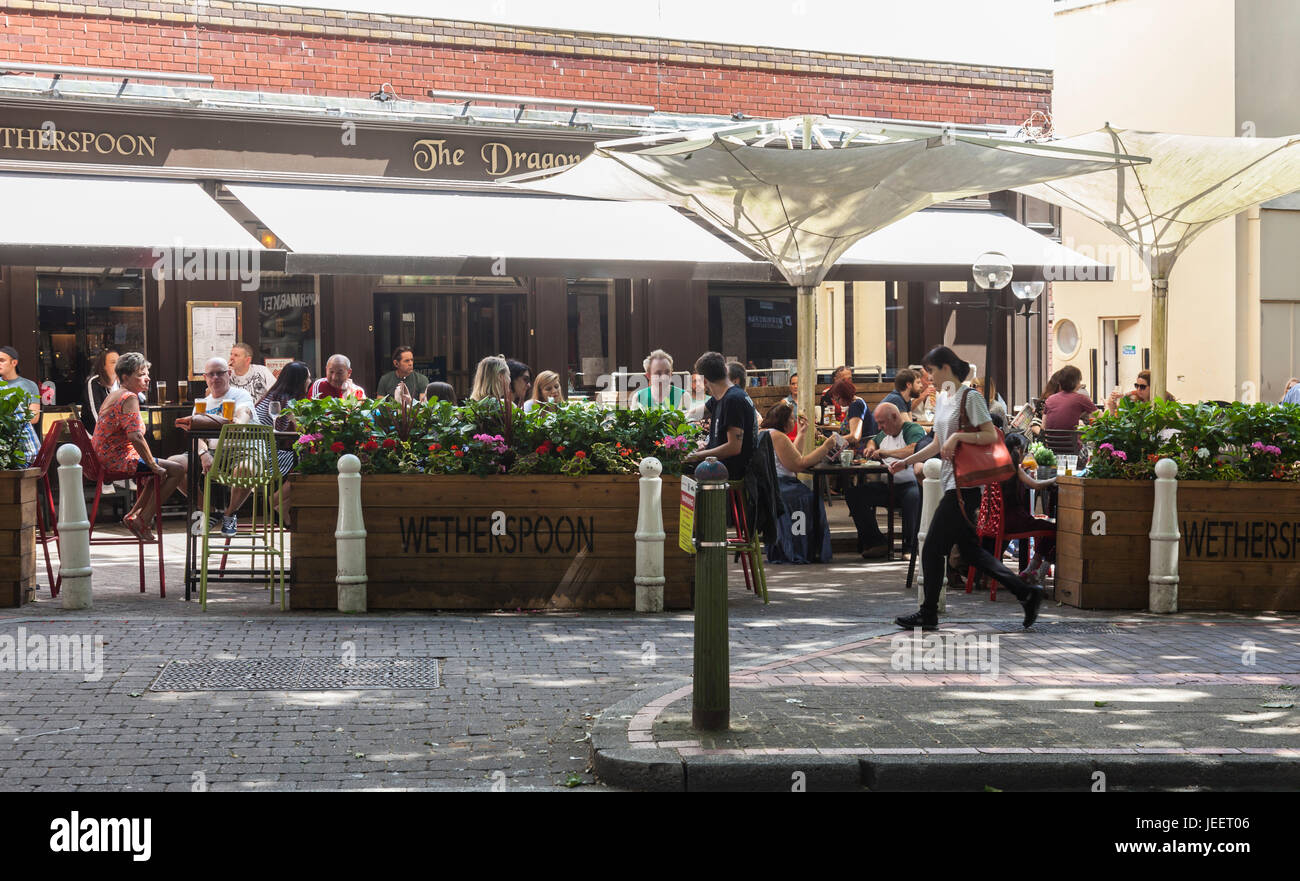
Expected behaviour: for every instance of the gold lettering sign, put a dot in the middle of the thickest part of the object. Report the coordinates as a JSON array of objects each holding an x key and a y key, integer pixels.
[
  {"x": 95, "y": 143},
  {"x": 499, "y": 158}
]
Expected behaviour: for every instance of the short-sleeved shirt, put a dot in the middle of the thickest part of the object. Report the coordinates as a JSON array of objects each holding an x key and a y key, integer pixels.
[
  {"x": 898, "y": 401},
  {"x": 858, "y": 410},
  {"x": 733, "y": 410},
  {"x": 322, "y": 388},
  {"x": 911, "y": 434},
  {"x": 242, "y": 399},
  {"x": 1063, "y": 410},
  {"x": 947, "y": 421},
  {"x": 644, "y": 399},
  {"x": 416, "y": 383},
  {"x": 256, "y": 381}
]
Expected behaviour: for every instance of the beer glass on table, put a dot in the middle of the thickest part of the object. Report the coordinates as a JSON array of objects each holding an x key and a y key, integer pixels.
[
  {"x": 228, "y": 409},
  {"x": 162, "y": 393},
  {"x": 182, "y": 391},
  {"x": 200, "y": 406}
]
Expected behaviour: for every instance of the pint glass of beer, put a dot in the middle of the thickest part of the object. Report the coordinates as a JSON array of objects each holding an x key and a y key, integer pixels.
[
  {"x": 200, "y": 406},
  {"x": 162, "y": 393},
  {"x": 228, "y": 409}
]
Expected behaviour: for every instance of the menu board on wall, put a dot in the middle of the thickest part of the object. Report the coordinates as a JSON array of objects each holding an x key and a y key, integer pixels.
[{"x": 214, "y": 326}]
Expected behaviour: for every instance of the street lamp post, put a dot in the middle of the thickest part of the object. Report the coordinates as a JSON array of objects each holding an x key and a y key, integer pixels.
[
  {"x": 1026, "y": 293},
  {"x": 992, "y": 272}
]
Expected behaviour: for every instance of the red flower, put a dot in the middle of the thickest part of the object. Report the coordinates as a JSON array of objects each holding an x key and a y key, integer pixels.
[
  {"x": 560, "y": 448},
  {"x": 389, "y": 443},
  {"x": 337, "y": 446},
  {"x": 460, "y": 454},
  {"x": 580, "y": 455},
  {"x": 542, "y": 451},
  {"x": 435, "y": 447},
  {"x": 455, "y": 447},
  {"x": 370, "y": 445}
]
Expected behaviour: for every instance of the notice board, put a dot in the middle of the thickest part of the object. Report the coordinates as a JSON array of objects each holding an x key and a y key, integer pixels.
[{"x": 212, "y": 327}]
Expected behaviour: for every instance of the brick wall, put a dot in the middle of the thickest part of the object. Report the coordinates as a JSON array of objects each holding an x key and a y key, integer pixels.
[{"x": 301, "y": 50}]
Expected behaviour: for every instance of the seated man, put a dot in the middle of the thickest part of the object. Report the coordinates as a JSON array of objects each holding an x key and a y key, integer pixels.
[
  {"x": 403, "y": 373},
  {"x": 337, "y": 381},
  {"x": 220, "y": 393},
  {"x": 897, "y": 439},
  {"x": 732, "y": 424}
]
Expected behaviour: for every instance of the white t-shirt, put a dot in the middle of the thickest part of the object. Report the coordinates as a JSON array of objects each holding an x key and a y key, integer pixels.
[
  {"x": 256, "y": 381},
  {"x": 896, "y": 442},
  {"x": 947, "y": 421}
]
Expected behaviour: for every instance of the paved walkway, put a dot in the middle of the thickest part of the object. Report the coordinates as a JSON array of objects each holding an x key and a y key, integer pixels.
[{"x": 525, "y": 695}]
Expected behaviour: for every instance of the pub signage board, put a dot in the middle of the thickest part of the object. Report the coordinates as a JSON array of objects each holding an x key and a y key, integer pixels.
[{"x": 457, "y": 152}]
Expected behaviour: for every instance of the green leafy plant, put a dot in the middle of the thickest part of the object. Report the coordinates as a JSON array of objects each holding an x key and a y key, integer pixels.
[
  {"x": 13, "y": 426},
  {"x": 1042, "y": 455},
  {"x": 1208, "y": 442},
  {"x": 488, "y": 437}
]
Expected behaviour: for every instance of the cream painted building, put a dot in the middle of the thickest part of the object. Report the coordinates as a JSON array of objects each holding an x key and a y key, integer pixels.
[{"x": 1204, "y": 67}]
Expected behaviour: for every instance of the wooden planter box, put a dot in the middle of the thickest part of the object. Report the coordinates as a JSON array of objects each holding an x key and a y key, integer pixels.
[
  {"x": 1239, "y": 548},
  {"x": 17, "y": 536},
  {"x": 430, "y": 544}
]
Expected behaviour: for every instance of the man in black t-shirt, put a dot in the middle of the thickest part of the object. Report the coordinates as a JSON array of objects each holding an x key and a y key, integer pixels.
[{"x": 731, "y": 429}]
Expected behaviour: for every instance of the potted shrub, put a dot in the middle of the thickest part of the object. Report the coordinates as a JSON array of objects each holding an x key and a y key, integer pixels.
[
  {"x": 484, "y": 506},
  {"x": 17, "y": 503},
  {"x": 1238, "y": 507}
]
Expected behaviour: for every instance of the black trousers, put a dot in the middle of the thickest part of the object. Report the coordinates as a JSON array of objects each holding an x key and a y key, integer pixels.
[
  {"x": 950, "y": 528},
  {"x": 863, "y": 499}
]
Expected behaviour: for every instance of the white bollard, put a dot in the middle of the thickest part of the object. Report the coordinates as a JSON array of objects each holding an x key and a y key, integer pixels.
[
  {"x": 931, "y": 496},
  {"x": 1163, "y": 580},
  {"x": 350, "y": 538},
  {"x": 74, "y": 532},
  {"x": 650, "y": 539}
]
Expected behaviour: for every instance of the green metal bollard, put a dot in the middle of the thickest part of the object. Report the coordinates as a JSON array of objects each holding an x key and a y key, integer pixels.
[{"x": 711, "y": 697}]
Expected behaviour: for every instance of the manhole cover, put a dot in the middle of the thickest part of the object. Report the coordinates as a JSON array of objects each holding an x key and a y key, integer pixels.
[
  {"x": 298, "y": 674},
  {"x": 1067, "y": 627}
]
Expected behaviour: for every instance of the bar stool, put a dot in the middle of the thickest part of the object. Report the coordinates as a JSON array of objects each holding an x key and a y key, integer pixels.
[
  {"x": 746, "y": 543},
  {"x": 245, "y": 459}
]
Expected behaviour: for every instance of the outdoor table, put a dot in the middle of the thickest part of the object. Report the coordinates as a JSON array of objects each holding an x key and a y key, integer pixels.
[
  {"x": 857, "y": 471},
  {"x": 165, "y": 439},
  {"x": 194, "y": 541}
]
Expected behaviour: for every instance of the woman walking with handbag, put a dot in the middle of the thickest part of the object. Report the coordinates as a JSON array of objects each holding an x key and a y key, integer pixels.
[{"x": 969, "y": 442}]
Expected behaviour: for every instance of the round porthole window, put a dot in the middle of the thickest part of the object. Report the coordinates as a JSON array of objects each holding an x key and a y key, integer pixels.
[{"x": 1067, "y": 338}]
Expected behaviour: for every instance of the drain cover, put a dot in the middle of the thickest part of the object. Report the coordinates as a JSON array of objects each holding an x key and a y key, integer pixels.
[
  {"x": 1067, "y": 627},
  {"x": 298, "y": 674}
]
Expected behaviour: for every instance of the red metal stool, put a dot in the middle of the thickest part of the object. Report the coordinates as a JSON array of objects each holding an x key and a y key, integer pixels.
[
  {"x": 989, "y": 524},
  {"x": 45, "y": 500},
  {"x": 746, "y": 544}
]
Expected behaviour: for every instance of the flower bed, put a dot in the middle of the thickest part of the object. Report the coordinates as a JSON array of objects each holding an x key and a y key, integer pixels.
[
  {"x": 486, "y": 507},
  {"x": 1238, "y": 508},
  {"x": 17, "y": 503},
  {"x": 486, "y": 438}
]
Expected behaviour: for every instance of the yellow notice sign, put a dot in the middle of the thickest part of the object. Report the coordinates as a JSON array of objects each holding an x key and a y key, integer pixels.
[{"x": 686, "y": 520}]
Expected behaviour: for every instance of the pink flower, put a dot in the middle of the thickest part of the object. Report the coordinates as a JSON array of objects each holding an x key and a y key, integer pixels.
[{"x": 1120, "y": 454}]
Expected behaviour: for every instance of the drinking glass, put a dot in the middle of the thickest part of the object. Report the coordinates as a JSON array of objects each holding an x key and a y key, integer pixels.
[
  {"x": 228, "y": 409},
  {"x": 846, "y": 458},
  {"x": 182, "y": 391},
  {"x": 274, "y": 408},
  {"x": 162, "y": 393},
  {"x": 200, "y": 406}
]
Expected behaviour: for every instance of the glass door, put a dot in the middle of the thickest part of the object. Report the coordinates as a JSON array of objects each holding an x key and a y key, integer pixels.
[{"x": 78, "y": 316}]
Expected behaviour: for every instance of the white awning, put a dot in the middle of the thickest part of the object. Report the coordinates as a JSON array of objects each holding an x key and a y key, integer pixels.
[
  {"x": 938, "y": 245},
  {"x": 60, "y": 220},
  {"x": 332, "y": 230}
]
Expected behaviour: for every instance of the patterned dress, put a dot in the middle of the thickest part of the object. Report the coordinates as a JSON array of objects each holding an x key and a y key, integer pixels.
[
  {"x": 111, "y": 440},
  {"x": 262, "y": 413}
]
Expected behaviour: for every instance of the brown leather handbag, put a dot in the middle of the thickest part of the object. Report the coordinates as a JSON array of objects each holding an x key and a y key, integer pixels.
[{"x": 976, "y": 465}]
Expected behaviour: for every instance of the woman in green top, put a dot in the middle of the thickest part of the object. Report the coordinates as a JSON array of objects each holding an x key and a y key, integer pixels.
[{"x": 661, "y": 392}]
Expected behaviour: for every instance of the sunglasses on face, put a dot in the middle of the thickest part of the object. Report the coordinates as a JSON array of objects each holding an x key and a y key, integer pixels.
[{"x": 1139, "y": 385}]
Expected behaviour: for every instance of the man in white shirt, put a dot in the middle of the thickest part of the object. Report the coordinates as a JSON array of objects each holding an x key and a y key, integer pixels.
[
  {"x": 252, "y": 378},
  {"x": 220, "y": 391}
]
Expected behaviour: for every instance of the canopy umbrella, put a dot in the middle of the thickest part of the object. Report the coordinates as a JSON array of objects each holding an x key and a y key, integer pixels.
[
  {"x": 800, "y": 191},
  {"x": 1158, "y": 209}
]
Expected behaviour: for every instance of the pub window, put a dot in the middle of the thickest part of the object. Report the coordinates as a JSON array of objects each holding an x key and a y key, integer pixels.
[
  {"x": 287, "y": 320},
  {"x": 78, "y": 316}
]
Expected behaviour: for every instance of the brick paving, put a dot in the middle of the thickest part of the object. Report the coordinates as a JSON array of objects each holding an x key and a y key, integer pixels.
[{"x": 522, "y": 691}]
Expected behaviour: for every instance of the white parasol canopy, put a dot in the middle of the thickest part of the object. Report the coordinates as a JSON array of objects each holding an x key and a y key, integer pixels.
[
  {"x": 1158, "y": 209},
  {"x": 801, "y": 190}
]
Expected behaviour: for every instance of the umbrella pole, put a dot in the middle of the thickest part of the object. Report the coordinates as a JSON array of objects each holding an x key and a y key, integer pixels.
[
  {"x": 1159, "y": 337},
  {"x": 804, "y": 351}
]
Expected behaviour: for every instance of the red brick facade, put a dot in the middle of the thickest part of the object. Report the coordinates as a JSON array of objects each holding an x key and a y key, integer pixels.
[{"x": 252, "y": 47}]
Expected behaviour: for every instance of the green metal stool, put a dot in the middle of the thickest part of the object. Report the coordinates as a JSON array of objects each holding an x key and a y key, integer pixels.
[
  {"x": 746, "y": 543},
  {"x": 246, "y": 459}
]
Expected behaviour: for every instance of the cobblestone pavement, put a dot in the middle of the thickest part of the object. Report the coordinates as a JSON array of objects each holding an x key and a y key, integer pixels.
[{"x": 521, "y": 690}]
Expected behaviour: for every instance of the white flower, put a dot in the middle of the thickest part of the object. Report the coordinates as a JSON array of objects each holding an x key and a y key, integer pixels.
[{"x": 1203, "y": 453}]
